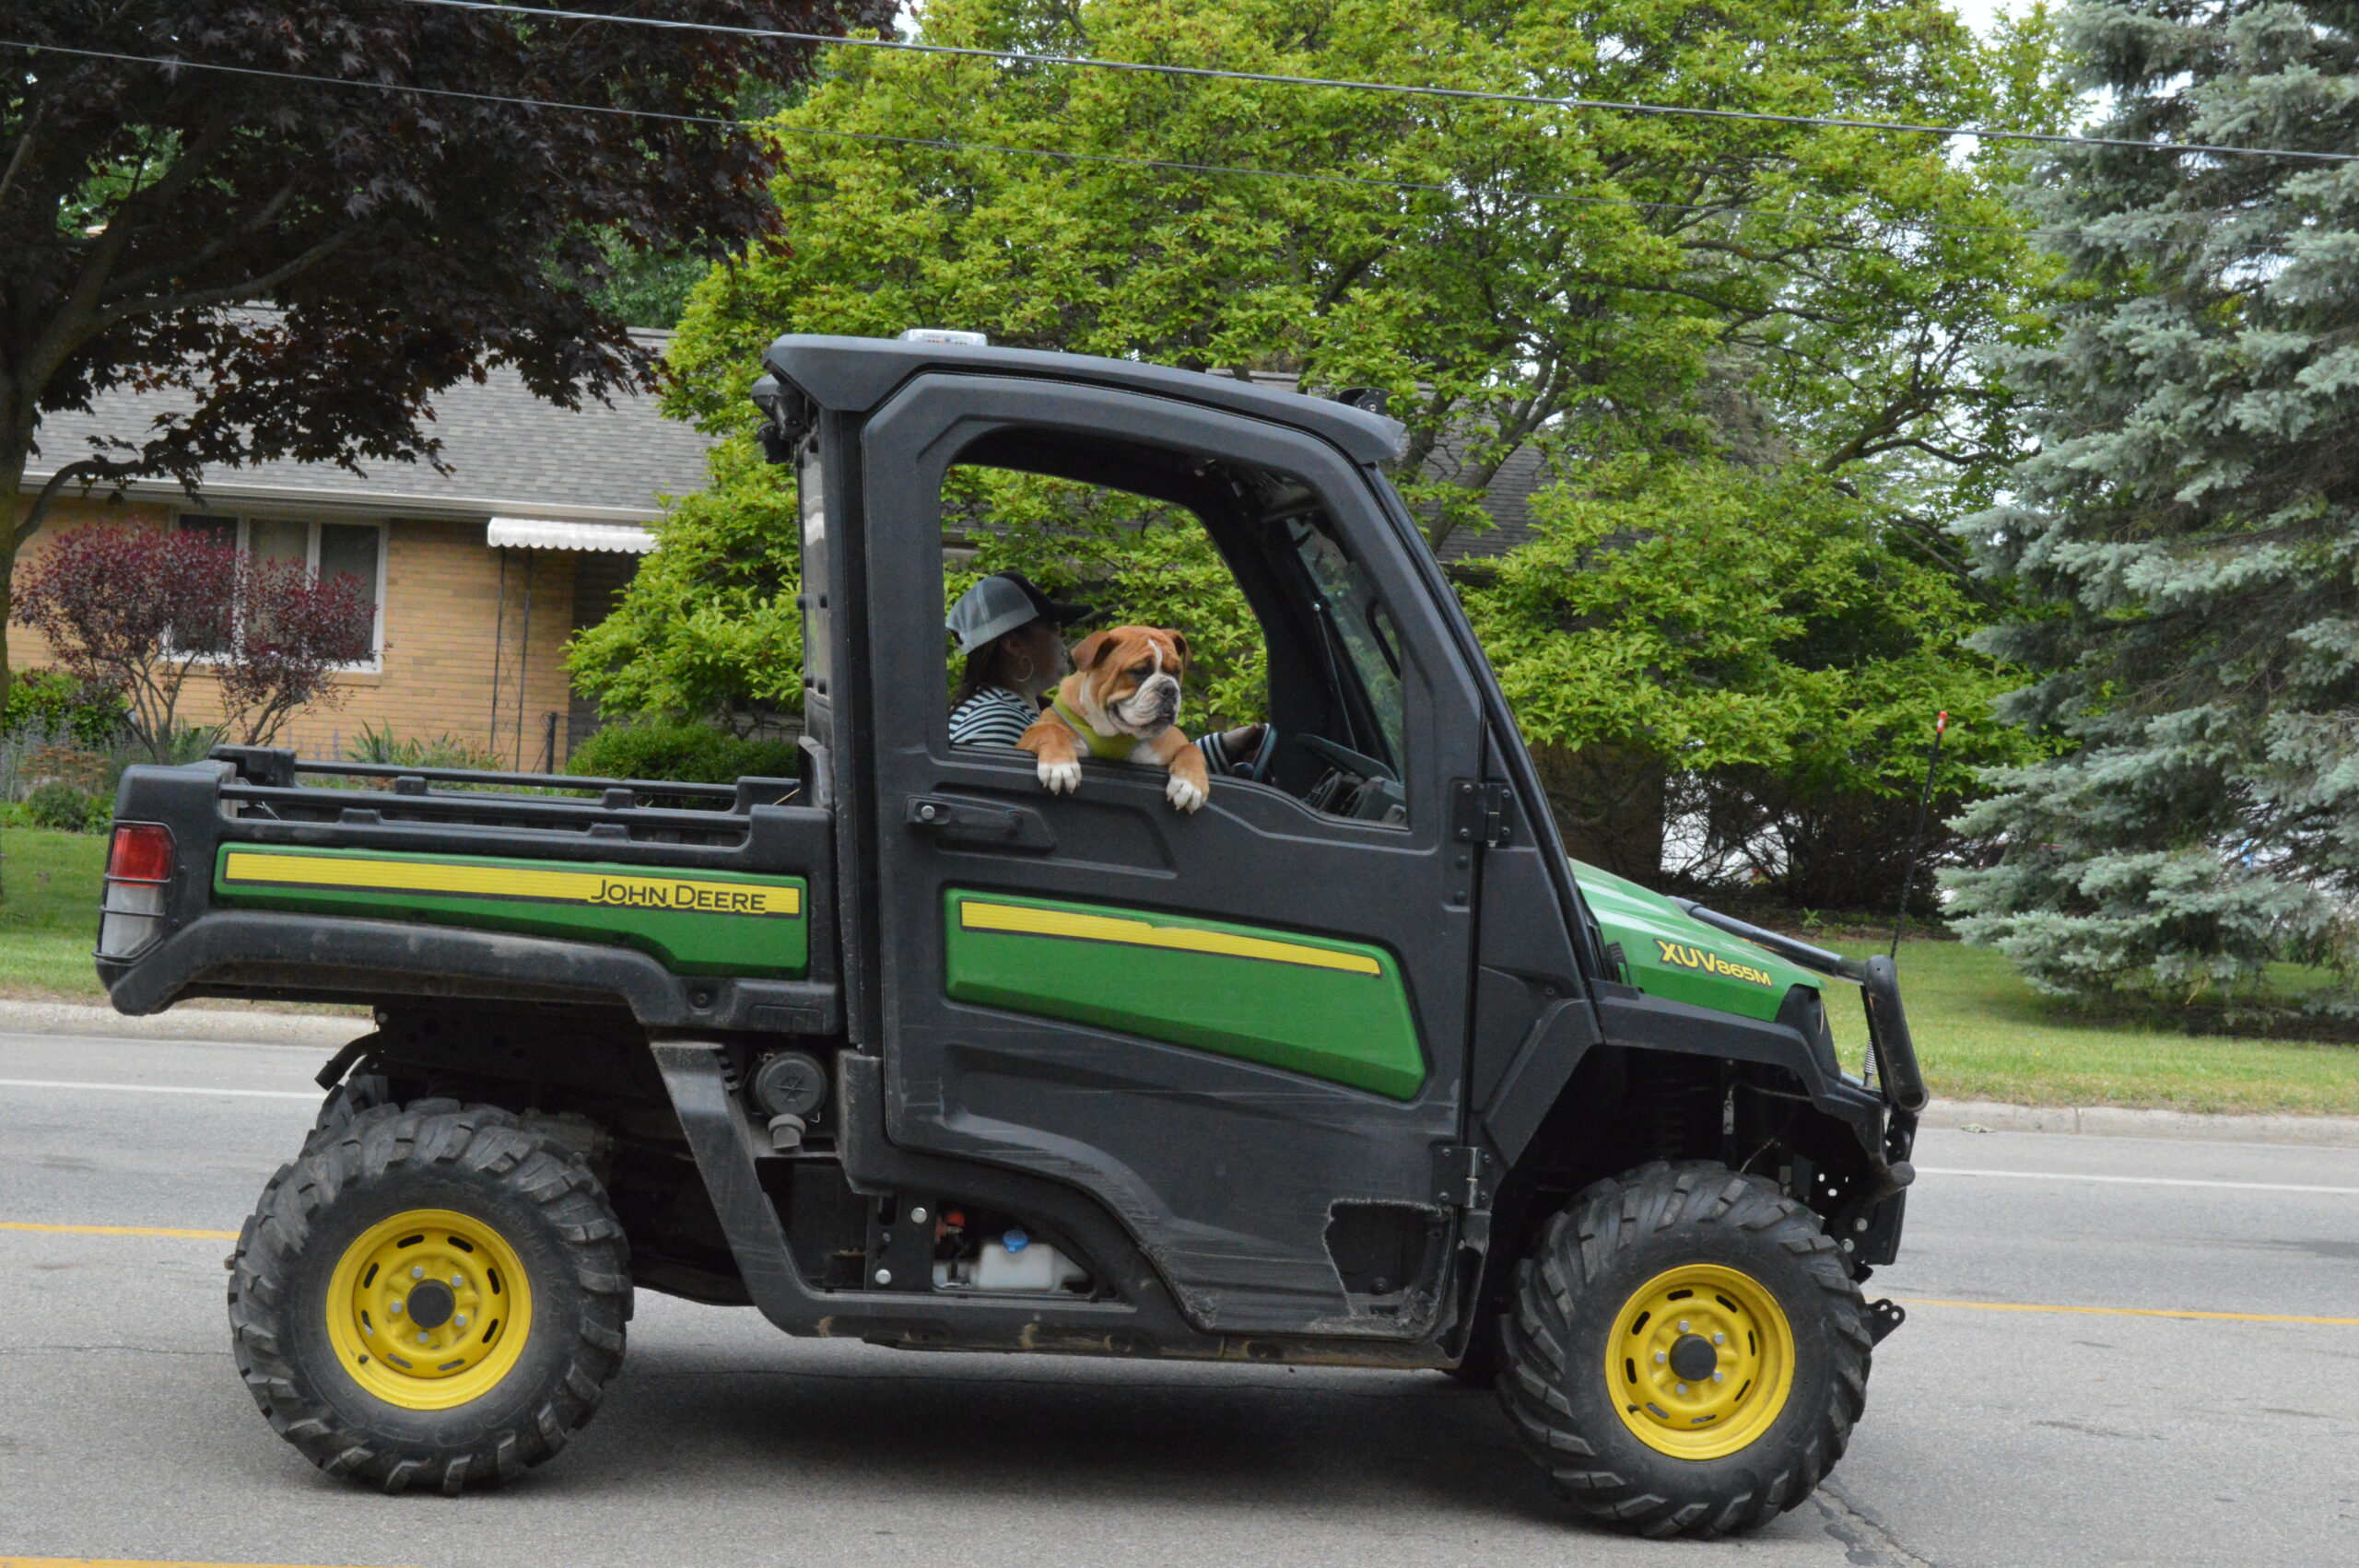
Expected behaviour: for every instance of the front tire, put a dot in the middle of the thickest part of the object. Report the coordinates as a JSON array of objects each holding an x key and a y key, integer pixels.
[
  {"x": 429, "y": 1295},
  {"x": 1685, "y": 1351}
]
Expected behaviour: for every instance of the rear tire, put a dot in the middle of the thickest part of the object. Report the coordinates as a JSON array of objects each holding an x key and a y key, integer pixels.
[
  {"x": 520, "y": 1296},
  {"x": 1638, "y": 1421}
]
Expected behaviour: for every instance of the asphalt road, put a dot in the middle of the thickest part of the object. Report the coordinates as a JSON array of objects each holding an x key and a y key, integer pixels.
[{"x": 1993, "y": 1435}]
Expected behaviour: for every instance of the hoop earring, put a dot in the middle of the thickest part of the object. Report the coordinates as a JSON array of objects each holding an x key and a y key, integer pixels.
[{"x": 1028, "y": 671}]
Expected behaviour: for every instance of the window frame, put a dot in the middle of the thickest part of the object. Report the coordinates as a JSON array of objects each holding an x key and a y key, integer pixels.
[{"x": 243, "y": 525}]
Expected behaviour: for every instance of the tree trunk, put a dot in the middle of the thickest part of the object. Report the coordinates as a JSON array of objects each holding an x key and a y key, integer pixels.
[
  {"x": 16, "y": 447},
  {"x": 15, "y": 440},
  {"x": 1608, "y": 803}
]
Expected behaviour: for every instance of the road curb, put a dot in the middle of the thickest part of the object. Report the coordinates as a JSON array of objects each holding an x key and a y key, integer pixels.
[
  {"x": 230, "y": 1026},
  {"x": 2117, "y": 1121}
]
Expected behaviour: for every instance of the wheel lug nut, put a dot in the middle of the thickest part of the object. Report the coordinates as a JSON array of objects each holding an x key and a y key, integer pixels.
[
  {"x": 395, "y": 1308},
  {"x": 1683, "y": 1325},
  {"x": 1719, "y": 1338},
  {"x": 458, "y": 1282},
  {"x": 1719, "y": 1377},
  {"x": 428, "y": 1338},
  {"x": 460, "y": 1322},
  {"x": 1683, "y": 1387},
  {"x": 419, "y": 1273},
  {"x": 1659, "y": 1357}
]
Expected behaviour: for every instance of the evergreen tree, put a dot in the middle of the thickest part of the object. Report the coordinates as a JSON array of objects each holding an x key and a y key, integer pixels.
[{"x": 2189, "y": 530}]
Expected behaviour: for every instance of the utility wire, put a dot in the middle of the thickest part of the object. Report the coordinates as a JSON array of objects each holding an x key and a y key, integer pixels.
[
  {"x": 952, "y": 145},
  {"x": 1476, "y": 95}
]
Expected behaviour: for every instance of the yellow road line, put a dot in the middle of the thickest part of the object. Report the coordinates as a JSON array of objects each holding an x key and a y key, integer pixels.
[
  {"x": 103, "y": 1231},
  {"x": 2130, "y": 1312},
  {"x": 131, "y": 1563}
]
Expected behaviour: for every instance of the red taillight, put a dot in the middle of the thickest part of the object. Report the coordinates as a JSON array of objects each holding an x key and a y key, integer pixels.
[{"x": 142, "y": 852}]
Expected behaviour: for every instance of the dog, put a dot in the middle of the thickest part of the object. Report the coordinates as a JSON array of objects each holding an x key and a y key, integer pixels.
[{"x": 1121, "y": 704}]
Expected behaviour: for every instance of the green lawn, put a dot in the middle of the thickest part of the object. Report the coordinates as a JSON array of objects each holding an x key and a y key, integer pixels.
[
  {"x": 1983, "y": 1035},
  {"x": 50, "y": 918}
]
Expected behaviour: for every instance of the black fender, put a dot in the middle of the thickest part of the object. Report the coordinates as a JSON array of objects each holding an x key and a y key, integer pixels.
[{"x": 254, "y": 954}]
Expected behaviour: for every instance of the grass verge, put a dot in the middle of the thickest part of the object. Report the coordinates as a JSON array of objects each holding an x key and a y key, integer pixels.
[
  {"x": 50, "y": 917},
  {"x": 1983, "y": 1035}
]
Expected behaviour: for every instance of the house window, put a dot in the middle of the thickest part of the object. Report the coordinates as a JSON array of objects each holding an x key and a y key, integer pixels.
[{"x": 329, "y": 549}]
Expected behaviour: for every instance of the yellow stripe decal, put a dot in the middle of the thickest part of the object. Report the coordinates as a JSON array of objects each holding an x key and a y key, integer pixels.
[
  {"x": 114, "y": 1231},
  {"x": 1016, "y": 920},
  {"x": 2130, "y": 1312},
  {"x": 685, "y": 894}
]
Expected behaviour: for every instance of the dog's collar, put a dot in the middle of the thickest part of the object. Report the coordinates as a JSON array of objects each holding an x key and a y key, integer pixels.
[{"x": 1105, "y": 748}]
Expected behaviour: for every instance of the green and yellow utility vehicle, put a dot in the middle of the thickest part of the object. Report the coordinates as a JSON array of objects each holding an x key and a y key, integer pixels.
[{"x": 1352, "y": 1067}]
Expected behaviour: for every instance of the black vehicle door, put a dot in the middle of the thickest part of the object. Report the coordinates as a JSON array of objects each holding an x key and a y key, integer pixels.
[{"x": 1242, "y": 1030}]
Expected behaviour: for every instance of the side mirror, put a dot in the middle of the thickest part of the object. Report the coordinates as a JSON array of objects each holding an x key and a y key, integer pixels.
[{"x": 787, "y": 417}]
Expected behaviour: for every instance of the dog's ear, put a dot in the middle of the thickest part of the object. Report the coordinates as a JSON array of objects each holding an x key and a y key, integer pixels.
[
  {"x": 1179, "y": 646},
  {"x": 1091, "y": 648}
]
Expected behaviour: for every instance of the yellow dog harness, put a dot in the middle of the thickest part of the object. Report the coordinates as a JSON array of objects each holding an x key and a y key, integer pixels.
[{"x": 1105, "y": 748}]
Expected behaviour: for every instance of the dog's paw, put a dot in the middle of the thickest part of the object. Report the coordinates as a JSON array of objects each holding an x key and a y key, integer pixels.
[
  {"x": 1060, "y": 778},
  {"x": 1184, "y": 795}
]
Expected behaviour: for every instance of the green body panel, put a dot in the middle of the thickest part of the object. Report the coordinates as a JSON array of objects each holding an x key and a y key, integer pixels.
[
  {"x": 1672, "y": 956},
  {"x": 694, "y": 922},
  {"x": 1269, "y": 998}
]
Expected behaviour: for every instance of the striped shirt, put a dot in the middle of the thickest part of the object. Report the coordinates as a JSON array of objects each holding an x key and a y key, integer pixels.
[{"x": 992, "y": 717}]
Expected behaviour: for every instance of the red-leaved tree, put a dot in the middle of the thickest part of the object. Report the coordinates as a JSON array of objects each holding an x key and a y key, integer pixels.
[{"x": 138, "y": 612}]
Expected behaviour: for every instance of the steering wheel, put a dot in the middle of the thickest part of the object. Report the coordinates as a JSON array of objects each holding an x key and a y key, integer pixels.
[{"x": 1257, "y": 766}]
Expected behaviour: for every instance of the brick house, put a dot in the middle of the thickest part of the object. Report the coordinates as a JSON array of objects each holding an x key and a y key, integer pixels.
[{"x": 480, "y": 575}]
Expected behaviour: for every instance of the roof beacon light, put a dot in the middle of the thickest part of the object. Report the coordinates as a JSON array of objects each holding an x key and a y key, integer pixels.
[{"x": 946, "y": 334}]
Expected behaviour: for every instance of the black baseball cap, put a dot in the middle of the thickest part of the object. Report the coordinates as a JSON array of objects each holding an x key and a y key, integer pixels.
[{"x": 1056, "y": 611}]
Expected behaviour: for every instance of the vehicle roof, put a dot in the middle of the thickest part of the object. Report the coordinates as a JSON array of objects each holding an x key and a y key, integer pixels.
[{"x": 855, "y": 374}]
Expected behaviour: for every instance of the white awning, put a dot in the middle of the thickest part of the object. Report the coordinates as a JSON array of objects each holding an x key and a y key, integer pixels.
[{"x": 548, "y": 533}]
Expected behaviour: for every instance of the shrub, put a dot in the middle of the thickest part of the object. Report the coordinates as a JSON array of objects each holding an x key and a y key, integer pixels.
[
  {"x": 53, "y": 704},
  {"x": 63, "y": 806},
  {"x": 446, "y": 750},
  {"x": 690, "y": 754}
]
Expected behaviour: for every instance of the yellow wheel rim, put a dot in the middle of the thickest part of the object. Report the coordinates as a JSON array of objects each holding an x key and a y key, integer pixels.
[
  {"x": 1700, "y": 1361},
  {"x": 429, "y": 1309}
]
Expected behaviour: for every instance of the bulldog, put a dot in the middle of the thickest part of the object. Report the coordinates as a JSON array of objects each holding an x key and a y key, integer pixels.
[{"x": 1120, "y": 705}]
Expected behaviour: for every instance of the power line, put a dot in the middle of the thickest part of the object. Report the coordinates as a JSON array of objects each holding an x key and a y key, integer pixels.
[
  {"x": 952, "y": 145},
  {"x": 1469, "y": 94}
]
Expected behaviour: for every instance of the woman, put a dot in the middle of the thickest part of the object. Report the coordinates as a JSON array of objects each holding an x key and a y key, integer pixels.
[{"x": 1008, "y": 630}]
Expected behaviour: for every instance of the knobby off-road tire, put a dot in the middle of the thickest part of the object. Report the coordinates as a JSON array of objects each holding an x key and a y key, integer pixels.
[
  {"x": 519, "y": 1226},
  {"x": 1597, "y": 1331},
  {"x": 363, "y": 1090}
]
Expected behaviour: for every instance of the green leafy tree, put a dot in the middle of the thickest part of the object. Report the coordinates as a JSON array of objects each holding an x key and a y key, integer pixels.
[
  {"x": 709, "y": 627},
  {"x": 1514, "y": 276},
  {"x": 1752, "y": 633},
  {"x": 2189, "y": 532},
  {"x": 1673, "y": 302}
]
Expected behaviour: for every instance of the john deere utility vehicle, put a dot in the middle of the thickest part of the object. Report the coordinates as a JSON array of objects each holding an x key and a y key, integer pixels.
[{"x": 1351, "y": 1068}]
